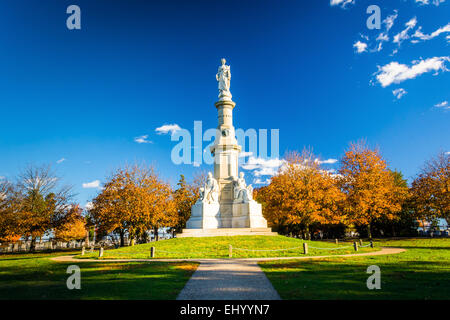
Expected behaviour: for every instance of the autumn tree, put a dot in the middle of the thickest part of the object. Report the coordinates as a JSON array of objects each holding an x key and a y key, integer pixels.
[
  {"x": 133, "y": 201},
  {"x": 9, "y": 220},
  {"x": 185, "y": 197},
  {"x": 430, "y": 190},
  {"x": 302, "y": 193},
  {"x": 40, "y": 203},
  {"x": 74, "y": 225},
  {"x": 369, "y": 186}
]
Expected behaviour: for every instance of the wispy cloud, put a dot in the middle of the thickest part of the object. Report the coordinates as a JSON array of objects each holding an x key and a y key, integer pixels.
[
  {"x": 420, "y": 35},
  {"x": 443, "y": 105},
  {"x": 61, "y": 160},
  {"x": 427, "y": 2},
  {"x": 327, "y": 161},
  {"x": 92, "y": 185},
  {"x": 398, "y": 93},
  {"x": 341, "y": 3},
  {"x": 245, "y": 154},
  {"x": 395, "y": 72},
  {"x": 404, "y": 34},
  {"x": 165, "y": 129},
  {"x": 142, "y": 139},
  {"x": 263, "y": 167}
]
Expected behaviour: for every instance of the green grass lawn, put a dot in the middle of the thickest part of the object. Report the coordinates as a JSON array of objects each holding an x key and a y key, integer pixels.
[
  {"x": 35, "y": 276},
  {"x": 218, "y": 247},
  {"x": 422, "y": 272}
]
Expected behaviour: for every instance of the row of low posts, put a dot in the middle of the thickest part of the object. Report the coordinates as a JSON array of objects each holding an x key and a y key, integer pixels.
[{"x": 230, "y": 249}]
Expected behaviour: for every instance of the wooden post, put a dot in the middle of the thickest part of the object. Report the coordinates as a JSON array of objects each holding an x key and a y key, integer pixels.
[
  {"x": 100, "y": 253},
  {"x": 152, "y": 252},
  {"x": 360, "y": 242},
  {"x": 305, "y": 248},
  {"x": 371, "y": 244},
  {"x": 83, "y": 250},
  {"x": 337, "y": 241},
  {"x": 355, "y": 245},
  {"x": 230, "y": 251}
]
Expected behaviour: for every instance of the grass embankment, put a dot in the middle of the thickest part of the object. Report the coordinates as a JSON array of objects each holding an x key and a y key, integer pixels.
[
  {"x": 35, "y": 276},
  {"x": 422, "y": 272},
  {"x": 218, "y": 247}
]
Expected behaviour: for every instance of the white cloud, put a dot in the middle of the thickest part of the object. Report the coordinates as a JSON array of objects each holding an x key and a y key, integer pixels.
[
  {"x": 327, "y": 161},
  {"x": 389, "y": 21},
  {"x": 142, "y": 139},
  {"x": 360, "y": 46},
  {"x": 61, "y": 160},
  {"x": 88, "y": 206},
  {"x": 395, "y": 72},
  {"x": 245, "y": 154},
  {"x": 448, "y": 152},
  {"x": 444, "y": 105},
  {"x": 427, "y": 2},
  {"x": 341, "y": 3},
  {"x": 165, "y": 129},
  {"x": 403, "y": 35},
  {"x": 398, "y": 93},
  {"x": 263, "y": 167},
  {"x": 259, "y": 181},
  {"x": 92, "y": 185},
  {"x": 419, "y": 34}
]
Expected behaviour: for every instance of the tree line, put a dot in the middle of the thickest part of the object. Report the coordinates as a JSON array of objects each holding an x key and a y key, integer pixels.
[{"x": 364, "y": 194}]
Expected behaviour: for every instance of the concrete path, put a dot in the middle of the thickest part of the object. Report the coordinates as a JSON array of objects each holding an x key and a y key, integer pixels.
[{"x": 228, "y": 280}]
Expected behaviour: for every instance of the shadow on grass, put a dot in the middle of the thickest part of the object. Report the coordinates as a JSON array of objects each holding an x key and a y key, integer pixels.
[
  {"x": 347, "y": 280},
  {"x": 45, "y": 279}
]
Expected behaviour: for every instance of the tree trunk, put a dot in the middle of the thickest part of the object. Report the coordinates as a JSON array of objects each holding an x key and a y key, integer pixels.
[
  {"x": 369, "y": 233},
  {"x": 33, "y": 244},
  {"x": 122, "y": 238},
  {"x": 308, "y": 235},
  {"x": 155, "y": 231},
  {"x": 86, "y": 240},
  {"x": 393, "y": 231}
]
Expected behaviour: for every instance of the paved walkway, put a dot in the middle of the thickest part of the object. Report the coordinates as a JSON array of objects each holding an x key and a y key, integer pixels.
[{"x": 228, "y": 280}]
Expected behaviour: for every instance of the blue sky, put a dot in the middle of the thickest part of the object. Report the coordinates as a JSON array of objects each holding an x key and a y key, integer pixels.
[{"x": 311, "y": 69}]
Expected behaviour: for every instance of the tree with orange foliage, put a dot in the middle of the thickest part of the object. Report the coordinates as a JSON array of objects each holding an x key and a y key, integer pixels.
[
  {"x": 73, "y": 227},
  {"x": 431, "y": 189},
  {"x": 185, "y": 197},
  {"x": 301, "y": 193},
  {"x": 40, "y": 203},
  {"x": 134, "y": 201},
  {"x": 9, "y": 220},
  {"x": 369, "y": 186}
]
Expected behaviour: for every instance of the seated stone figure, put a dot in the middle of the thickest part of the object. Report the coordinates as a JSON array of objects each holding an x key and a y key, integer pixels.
[
  {"x": 242, "y": 192},
  {"x": 210, "y": 192}
]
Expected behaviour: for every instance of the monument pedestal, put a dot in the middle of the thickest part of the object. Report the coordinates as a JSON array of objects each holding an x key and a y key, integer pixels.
[
  {"x": 248, "y": 215},
  {"x": 204, "y": 216},
  {"x": 226, "y": 232}
]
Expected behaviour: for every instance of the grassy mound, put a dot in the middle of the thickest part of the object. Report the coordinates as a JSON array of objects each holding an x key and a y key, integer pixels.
[{"x": 218, "y": 247}]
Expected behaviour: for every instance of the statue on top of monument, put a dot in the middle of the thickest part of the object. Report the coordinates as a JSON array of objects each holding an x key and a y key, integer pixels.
[
  {"x": 223, "y": 76},
  {"x": 242, "y": 192},
  {"x": 210, "y": 192}
]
